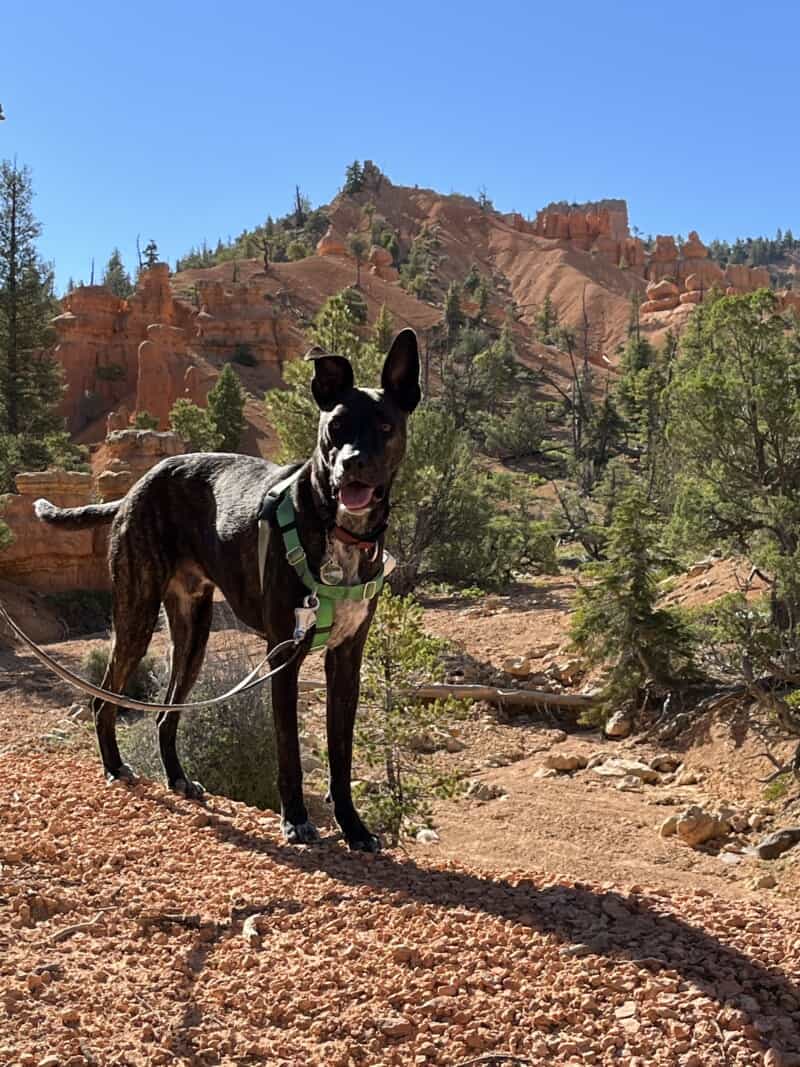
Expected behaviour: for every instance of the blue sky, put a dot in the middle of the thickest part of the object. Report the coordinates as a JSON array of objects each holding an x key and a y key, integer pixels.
[{"x": 185, "y": 121}]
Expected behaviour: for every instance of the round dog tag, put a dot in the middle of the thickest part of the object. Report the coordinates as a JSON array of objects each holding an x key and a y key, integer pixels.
[{"x": 331, "y": 572}]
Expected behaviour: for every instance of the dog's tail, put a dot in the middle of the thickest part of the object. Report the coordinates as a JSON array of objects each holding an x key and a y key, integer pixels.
[{"x": 75, "y": 518}]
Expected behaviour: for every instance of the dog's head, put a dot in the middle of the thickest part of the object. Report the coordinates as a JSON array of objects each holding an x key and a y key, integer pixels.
[{"x": 362, "y": 432}]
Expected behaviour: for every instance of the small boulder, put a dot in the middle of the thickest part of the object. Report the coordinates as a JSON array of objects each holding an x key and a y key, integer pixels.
[
  {"x": 596, "y": 760},
  {"x": 687, "y": 777},
  {"x": 774, "y": 845},
  {"x": 630, "y": 784},
  {"x": 764, "y": 881},
  {"x": 398, "y": 1026},
  {"x": 517, "y": 666},
  {"x": 619, "y": 725},
  {"x": 617, "y": 767},
  {"x": 695, "y": 826},
  {"x": 478, "y": 790},
  {"x": 564, "y": 761},
  {"x": 665, "y": 762},
  {"x": 427, "y": 836},
  {"x": 700, "y": 567},
  {"x": 669, "y": 826}
]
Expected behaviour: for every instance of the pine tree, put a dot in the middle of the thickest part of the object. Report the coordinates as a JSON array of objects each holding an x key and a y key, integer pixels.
[
  {"x": 453, "y": 315},
  {"x": 26, "y": 295},
  {"x": 482, "y": 295},
  {"x": 399, "y": 654},
  {"x": 472, "y": 280},
  {"x": 383, "y": 331},
  {"x": 546, "y": 321},
  {"x": 617, "y": 622},
  {"x": 194, "y": 426},
  {"x": 116, "y": 278},
  {"x": 226, "y": 409},
  {"x": 357, "y": 245},
  {"x": 151, "y": 254},
  {"x": 31, "y": 432},
  {"x": 354, "y": 178}
]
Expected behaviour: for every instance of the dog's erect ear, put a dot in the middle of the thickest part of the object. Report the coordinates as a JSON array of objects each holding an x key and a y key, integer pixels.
[
  {"x": 333, "y": 377},
  {"x": 400, "y": 376}
]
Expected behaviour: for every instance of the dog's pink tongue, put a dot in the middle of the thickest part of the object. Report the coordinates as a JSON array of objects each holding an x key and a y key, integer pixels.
[{"x": 355, "y": 496}]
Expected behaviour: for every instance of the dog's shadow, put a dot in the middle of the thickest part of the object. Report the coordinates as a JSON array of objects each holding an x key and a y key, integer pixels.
[{"x": 608, "y": 924}]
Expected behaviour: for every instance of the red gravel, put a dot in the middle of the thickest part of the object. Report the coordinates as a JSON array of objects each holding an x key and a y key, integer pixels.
[{"x": 353, "y": 959}]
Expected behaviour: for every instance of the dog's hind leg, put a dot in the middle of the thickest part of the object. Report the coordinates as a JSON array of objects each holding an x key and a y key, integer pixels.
[
  {"x": 296, "y": 826},
  {"x": 189, "y": 615},
  {"x": 135, "y": 613}
]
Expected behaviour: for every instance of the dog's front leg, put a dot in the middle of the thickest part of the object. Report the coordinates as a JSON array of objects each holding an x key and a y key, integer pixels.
[
  {"x": 342, "y": 672},
  {"x": 296, "y": 826}
]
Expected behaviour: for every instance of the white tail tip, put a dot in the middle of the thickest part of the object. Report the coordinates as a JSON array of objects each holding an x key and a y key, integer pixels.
[{"x": 43, "y": 509}]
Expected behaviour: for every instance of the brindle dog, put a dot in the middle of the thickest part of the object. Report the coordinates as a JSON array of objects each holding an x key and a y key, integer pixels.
[{"x": 191, "y": 524}]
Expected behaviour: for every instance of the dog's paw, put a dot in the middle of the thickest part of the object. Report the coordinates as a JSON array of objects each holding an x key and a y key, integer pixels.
[
  {"x": 365, "y": 842},
  {"x": 188, "y": 789},
  {"x": 123, "y": 773},
  {"x": 299, "y": 833}
]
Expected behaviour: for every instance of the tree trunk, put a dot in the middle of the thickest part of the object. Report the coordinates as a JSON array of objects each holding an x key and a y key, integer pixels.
[{"x": 12, "y": 368}]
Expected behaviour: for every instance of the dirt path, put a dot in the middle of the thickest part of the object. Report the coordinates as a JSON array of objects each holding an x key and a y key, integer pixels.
[
  {"x": 552, "y": 922},
  {"x": 121, "y": 913}
]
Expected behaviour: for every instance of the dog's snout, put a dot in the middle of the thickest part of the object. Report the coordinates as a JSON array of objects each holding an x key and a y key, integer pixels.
[{"x": 351, "y": 459}]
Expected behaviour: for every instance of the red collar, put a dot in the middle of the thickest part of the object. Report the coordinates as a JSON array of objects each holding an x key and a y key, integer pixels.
[{"x": 347, "y": 538}]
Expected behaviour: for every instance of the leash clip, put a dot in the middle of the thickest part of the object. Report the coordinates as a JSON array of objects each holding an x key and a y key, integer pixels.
[{"x": 305, "y": 618}]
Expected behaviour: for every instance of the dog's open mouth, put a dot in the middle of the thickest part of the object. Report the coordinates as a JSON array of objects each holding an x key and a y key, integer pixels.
[{"x": 356, "y": 496}]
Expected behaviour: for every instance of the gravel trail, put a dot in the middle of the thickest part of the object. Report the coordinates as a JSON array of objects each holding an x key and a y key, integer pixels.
[{"x": 140, "y": 928}]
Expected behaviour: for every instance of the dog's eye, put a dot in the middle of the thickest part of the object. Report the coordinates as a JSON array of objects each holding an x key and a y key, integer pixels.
[
  {"x": 385, "y": 427},
  {"x": 334, "y": 425}
]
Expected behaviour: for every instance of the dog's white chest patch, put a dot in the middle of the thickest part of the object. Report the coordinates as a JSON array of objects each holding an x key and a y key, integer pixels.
[{"x": 349, "y": 614}]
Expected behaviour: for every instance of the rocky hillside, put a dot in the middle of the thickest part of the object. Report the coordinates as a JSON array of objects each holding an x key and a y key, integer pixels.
[{"x": 171, "y": 337}]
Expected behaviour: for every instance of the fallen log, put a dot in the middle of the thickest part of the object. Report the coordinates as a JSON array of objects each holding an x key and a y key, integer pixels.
[{"x": 513, "y": 698}]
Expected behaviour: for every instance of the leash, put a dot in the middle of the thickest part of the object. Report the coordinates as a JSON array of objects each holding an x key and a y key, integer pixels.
[{"x": 250, "y": 681}]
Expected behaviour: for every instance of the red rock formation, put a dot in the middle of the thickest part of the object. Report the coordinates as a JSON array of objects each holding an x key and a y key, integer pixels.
[
  {"x": 696, "y": 273},
  {"x": 661, "y": 296},
  {"x": 244, "y": 315},
  {"x": 53, "y": 560},
  {"x": 98, "y": 341},
  {"x": 331, "y": 244},
  {"x": 694, "y": 296},
  {"x": 382, "y": 264},
  {"x": 46, "y": 559},
  {"x": 693, "y": 247},
  {"x": 154, "y": 345},
  {"x": 601, "y": 228},
  {"x": 168, "y": 371}
]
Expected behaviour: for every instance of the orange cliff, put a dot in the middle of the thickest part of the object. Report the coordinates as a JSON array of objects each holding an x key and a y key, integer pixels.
[
  {"x": 600, "y": 228},
  {"x": 676, "y": 276},
  {"x": 142, "y": 354}
]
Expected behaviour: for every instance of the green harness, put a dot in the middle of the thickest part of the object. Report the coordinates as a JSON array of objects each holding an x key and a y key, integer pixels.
[{"x": 327, "y": 595}]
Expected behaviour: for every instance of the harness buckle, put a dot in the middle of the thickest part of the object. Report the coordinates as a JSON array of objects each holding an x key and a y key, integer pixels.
[
  {"x": 305, "y": 617},
  {"x": 370, "y": 589},
  {"x": 296, "y": 555}
]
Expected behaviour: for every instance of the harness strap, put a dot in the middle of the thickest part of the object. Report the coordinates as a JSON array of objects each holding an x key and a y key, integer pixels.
[
  {"x": 265, "y": 514},
  {"x": 296, "y": 555},
  {"x": 328, "y": 595}
]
